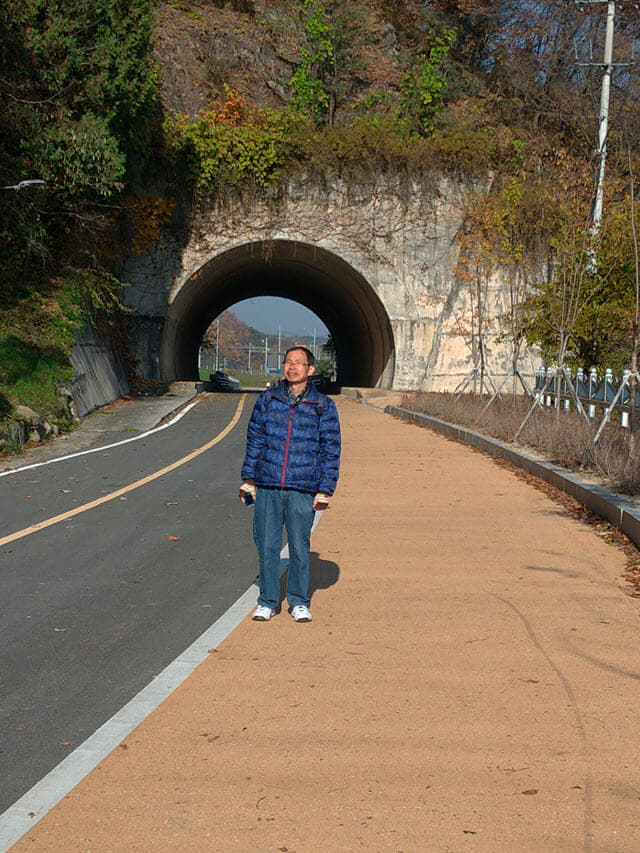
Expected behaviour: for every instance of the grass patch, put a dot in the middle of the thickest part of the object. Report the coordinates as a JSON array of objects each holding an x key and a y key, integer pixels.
[
  {"x": 36, "y": 339},
  {"x": 253, "y": 380},
  {"x": 32, "y": 375}
]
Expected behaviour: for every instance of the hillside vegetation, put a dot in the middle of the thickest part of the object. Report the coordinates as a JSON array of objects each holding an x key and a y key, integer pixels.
[{"x": 135, "y": 111}]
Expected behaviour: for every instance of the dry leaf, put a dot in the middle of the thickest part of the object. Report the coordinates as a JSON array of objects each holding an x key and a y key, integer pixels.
[{"x": 173, "y": 538}]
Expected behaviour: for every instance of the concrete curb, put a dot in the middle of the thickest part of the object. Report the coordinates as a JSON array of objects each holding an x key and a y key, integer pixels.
[
  {"x": 352, "y": 394},
  {"x": 619, "y": 511}
]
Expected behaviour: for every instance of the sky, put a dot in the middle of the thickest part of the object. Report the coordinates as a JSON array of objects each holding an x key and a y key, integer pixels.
[{"x": 270, "y": 313}]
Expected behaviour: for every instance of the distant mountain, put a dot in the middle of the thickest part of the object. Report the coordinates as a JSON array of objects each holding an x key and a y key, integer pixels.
[{"x": 240, "y": 347}]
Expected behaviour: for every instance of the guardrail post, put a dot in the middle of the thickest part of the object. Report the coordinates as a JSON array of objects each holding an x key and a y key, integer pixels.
[
  {"x": 608, "y": 383},
  {"x": 593, "y": 382},
  {"x": 625, "y": 399},
  {"x": 549, "y": 399}
]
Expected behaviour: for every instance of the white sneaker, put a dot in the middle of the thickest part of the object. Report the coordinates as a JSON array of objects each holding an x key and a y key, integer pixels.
[
  {"x": 262, "y": 613},
  {"x": 301, "y": 613}
]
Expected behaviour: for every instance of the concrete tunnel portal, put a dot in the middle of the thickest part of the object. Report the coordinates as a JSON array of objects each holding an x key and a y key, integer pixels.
[{"x": 316, "y": 278}]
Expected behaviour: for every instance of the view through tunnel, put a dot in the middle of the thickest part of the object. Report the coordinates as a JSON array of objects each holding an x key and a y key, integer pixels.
[
  {"x": 253, "y": 335},
  {"x": 320, "y": 280}
]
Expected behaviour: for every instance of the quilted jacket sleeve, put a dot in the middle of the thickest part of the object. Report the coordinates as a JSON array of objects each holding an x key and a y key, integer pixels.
[
  {"x": 330, "y": 443},
  {"x": 256, "y": 437}
]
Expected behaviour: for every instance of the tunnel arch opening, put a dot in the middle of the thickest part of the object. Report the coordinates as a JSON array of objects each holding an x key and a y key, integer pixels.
[{"x": 320, "y": 280}]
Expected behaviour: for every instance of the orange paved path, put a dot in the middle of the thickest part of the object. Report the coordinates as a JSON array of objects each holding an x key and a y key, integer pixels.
[{"x": 470, "y": 682}]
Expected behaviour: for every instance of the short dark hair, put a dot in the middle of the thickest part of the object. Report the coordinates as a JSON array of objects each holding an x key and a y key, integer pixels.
[{"x": 302, "y": 348}]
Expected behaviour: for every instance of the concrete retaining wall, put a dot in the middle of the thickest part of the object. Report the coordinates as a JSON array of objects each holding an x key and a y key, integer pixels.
[{"x": 99, "y": 376}]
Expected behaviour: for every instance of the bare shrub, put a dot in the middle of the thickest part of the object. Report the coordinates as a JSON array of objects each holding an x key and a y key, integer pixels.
[{"x": 559, "y": 436}]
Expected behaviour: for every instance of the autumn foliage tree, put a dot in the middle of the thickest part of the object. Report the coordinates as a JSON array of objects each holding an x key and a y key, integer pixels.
[{"x": 229, "y": 337}]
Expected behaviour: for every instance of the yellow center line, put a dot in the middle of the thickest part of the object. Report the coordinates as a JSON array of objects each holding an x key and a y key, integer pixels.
[{"x": 41, "y": 525}]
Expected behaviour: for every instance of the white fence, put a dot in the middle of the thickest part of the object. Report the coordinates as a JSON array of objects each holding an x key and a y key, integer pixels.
[{"x": 596, "y": 392}]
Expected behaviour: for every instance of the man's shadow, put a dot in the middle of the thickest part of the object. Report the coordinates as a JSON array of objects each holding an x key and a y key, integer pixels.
[{"x": 322, "y": 574}]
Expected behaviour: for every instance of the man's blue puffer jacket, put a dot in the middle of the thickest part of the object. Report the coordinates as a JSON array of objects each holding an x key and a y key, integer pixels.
[{"x": 293, "y": 447}]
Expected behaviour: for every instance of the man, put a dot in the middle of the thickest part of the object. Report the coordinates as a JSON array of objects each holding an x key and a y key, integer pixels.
[{"x": 291, "y": 470}]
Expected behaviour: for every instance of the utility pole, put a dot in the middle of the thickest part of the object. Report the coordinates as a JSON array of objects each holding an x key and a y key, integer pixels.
[{"x": 603, "y": 118}]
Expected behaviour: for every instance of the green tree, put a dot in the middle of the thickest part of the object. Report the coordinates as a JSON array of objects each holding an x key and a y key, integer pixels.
[
  {"x": 606, "y": 334},
  {"x": 78, "y": 92},
  {"x": 424, "y": 88},
  {"x": 317, "y": 62}
]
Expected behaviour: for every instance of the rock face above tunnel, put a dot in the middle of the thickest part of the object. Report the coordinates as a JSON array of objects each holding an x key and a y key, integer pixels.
[{"x": 378, "y": 263}]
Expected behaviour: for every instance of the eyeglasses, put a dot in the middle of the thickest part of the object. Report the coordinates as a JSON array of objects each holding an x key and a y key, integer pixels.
[{"x": 290, "y": 363}]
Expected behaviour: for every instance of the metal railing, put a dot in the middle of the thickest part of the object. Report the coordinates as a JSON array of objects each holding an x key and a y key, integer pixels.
[{"x": 596, "y": 392}]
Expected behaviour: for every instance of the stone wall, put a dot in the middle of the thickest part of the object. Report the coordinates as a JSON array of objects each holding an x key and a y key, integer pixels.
[{"x": 401, "y": 236}]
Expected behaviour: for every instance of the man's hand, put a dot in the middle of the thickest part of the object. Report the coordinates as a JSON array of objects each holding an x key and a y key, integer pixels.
[
  {"x": 321, "y": 502},
  {"x": 247, "y": 486}
]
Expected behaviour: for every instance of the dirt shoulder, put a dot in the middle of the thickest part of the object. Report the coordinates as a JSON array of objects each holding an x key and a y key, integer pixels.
[
  {"x": 122, "y": 419},
  {"x": 469, "y": 682}
]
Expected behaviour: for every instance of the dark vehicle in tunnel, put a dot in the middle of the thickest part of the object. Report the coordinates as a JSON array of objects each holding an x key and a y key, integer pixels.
[{"x": 220, "y": 381}]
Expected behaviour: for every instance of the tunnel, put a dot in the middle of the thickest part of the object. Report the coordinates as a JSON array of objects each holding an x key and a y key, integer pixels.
[{"x": 320, "y": 280}]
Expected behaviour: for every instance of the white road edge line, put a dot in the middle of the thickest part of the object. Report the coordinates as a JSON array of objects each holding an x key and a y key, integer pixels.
[
  {"x": 45, "y": 794},
  {"x": 173, "y": 421},
  {"x": 23, "y": 815}
]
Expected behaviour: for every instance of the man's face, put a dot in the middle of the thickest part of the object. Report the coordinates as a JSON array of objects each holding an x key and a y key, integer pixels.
[{"x": 296, "y": 367}]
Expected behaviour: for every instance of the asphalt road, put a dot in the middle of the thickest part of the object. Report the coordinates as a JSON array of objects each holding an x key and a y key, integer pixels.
[{"x": 98, "y": 602}]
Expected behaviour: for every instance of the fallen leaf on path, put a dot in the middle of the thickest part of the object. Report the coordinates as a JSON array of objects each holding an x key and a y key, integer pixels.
[
  {"x": 60, "y": 629},
  {"x": 174, "y": 538}
]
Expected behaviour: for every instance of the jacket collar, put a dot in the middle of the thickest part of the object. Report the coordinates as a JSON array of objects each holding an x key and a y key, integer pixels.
[{"x": 311, "y": 394}]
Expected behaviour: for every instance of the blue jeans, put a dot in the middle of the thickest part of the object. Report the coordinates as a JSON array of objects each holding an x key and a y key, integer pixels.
[{"x": 275, "y": 508}]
